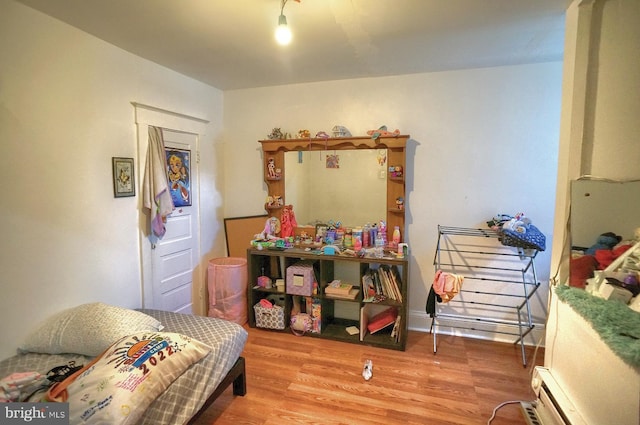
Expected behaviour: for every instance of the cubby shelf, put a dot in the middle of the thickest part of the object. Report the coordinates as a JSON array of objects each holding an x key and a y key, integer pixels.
[{"x": 274, "y": 264}]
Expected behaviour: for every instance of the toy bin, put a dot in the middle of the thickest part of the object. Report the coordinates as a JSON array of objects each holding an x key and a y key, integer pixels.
[
  {"x": 269, "y": 318},
  {"x": 300, "y": 278},
  {"x": 227, "y": 284}
]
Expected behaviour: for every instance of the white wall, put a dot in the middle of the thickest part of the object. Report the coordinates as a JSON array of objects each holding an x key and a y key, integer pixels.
[
  {"x": 484, "y": 141},
  {"x": 600, "y": 106},
  {"x": 598, "y": 137},
  {"x": 64, "y": 112},
  {"x": 612, "y": 142}
]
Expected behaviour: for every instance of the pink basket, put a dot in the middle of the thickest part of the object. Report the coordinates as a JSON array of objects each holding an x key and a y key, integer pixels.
[{"x": 227, "y": 284}]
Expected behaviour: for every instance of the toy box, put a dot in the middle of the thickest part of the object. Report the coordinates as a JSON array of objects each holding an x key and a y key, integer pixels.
[{"x": 300, "y": 279}]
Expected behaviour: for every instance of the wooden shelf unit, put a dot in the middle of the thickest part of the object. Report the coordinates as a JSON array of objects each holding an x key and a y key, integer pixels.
[
  {"x": 273, "y": 263},
  {"x": 396, "y": 156}
]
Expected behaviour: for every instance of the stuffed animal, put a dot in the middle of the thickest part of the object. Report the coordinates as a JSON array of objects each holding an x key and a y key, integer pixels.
[
  {"x": 606, "y": 241},
  {"x": 276, "y": 133}
]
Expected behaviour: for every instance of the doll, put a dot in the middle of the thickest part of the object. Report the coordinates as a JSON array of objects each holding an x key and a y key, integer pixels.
[
  {"x": 271, "y": 168},
  {"x": 288, "y": 222},
  {"x": 271, "y": 229}
]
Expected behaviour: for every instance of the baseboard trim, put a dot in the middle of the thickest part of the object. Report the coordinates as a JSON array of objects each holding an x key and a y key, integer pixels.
[{"x": 421, "y": 322}]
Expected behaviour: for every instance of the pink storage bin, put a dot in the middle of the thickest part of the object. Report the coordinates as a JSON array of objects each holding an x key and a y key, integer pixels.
[
  {"x": 227, "y": 284},
  {"x": 300, "y": 278}
]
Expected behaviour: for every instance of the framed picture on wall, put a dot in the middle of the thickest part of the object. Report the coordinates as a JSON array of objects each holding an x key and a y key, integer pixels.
[
  {"x": 179, "y": 175},
  {"x": 333, "y": 161},
  {"x": 123, "y": 177}
]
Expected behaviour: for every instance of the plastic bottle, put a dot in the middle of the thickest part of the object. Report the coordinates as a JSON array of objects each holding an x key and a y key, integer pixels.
[
  {"x": 373, "y": 232},
  {"x": 366, "y": 236},
  {"x": 396, "y": 237},
  {"x": 379, "y": 251},
  {"x": 382, "y": 229},
  {"x": 348, "y": 238},
  {"x": 357, "y": 243},
  {"x": 356, "y": 233}
]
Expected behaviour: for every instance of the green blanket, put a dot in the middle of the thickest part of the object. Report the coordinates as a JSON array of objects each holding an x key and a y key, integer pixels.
[{"x": 616, "y": 323}]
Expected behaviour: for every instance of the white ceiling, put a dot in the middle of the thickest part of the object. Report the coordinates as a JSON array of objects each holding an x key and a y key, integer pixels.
[{"x": 230, "y": 44}]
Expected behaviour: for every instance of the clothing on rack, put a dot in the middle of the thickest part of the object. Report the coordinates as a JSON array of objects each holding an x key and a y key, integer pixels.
[
  {"x": 489, "y": 270},
  {"x": 447, "y": 285},
  {"x": 431, "y": 302}
]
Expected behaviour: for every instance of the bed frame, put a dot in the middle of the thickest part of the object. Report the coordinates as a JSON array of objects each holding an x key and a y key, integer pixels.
[{"x": 235, "y": 376}]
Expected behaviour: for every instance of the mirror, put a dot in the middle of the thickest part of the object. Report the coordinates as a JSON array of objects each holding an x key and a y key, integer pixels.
[
  {"x": 599, "y": 207},
  {"x": 349, "y": 186}
]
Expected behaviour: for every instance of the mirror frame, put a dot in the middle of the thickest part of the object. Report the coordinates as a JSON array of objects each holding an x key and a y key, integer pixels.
[{"x": 396, "y": 156}]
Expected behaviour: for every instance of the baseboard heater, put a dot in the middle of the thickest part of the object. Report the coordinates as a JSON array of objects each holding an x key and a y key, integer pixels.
[{"x": 552, "y": 406}]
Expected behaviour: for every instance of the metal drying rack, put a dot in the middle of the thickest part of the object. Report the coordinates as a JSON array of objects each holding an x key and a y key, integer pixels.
[{"x": 497, "y": 278}]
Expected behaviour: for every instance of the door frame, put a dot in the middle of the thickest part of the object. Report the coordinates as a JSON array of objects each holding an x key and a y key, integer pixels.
[{"x": 146, "y": 115}]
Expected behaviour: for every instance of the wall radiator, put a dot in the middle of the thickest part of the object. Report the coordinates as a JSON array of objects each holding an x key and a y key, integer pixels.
[{"x": 552, "y": 406}]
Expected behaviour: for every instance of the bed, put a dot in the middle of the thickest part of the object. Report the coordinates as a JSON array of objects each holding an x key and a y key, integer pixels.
[{"x": 186, "y": 397}]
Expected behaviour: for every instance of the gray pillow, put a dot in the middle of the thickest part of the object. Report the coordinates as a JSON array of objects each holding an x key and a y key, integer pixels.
[{"x": 87, "y": 329}]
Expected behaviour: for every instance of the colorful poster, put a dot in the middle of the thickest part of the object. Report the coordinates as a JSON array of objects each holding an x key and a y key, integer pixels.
[{"x": 179, "y": 175}]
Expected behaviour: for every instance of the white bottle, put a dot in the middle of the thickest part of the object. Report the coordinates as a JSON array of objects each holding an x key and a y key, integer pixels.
[{"x": 379, "y": 247}]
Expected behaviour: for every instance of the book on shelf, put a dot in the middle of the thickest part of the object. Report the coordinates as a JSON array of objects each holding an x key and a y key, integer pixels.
[
  {"x": 376, "y": 279},
  {"x": 391, "y": 279},
  {"x": 395, "y": 332},
  {"x": 351, "y": 295},
  {"x": 380, "y": 286},
  {"x": 397, "y": 281},
  {"x": 364, "y": 321},
  {"x": 382, "y": 320},
  {"x": 352, "y": 330},
  {"x": 382, "y": 281},
  {"x": 338, "y": 288},
  {"x": 393, "y": 289},
  {"x": 368, "y": 288}
]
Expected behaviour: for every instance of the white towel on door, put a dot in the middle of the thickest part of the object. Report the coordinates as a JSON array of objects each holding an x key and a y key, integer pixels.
[{"x": 155, "y": 189}]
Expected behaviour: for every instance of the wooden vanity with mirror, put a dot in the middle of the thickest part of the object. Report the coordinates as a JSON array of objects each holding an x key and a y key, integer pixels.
[{"x": 354, "y": 180}]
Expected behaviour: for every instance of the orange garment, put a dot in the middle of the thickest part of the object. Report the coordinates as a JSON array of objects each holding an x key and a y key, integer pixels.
[{"x": 447, "y": 285}]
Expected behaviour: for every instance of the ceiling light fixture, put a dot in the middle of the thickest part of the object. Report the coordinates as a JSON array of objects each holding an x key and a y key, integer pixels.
[{"x": 283, "y": 33}]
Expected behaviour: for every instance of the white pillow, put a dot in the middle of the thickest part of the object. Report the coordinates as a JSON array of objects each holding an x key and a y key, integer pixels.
[
  {"x": 87, "y": 329},
  {"x": 119, "y": 387}
]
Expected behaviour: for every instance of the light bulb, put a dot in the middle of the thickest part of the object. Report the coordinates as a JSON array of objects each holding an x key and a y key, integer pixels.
[{"x": 283, "y": 33}]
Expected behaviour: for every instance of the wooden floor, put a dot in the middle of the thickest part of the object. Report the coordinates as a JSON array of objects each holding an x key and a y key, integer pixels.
[{"x": 305, "y": 380}]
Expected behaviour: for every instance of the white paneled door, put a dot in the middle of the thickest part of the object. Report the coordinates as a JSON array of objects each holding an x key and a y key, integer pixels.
[{"x": 174, "y": 255}]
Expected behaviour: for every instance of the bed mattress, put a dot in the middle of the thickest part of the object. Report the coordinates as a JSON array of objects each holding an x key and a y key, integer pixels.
[{"x": 188, "y": 393}]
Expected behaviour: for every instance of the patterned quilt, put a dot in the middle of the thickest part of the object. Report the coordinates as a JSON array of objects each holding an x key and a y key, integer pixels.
[{"x": 187, "y": 393}]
